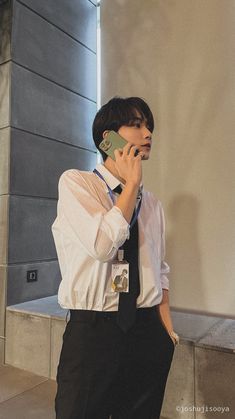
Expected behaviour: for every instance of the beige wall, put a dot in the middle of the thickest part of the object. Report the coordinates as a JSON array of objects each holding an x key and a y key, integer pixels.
[{"x": 180, "y": 57}]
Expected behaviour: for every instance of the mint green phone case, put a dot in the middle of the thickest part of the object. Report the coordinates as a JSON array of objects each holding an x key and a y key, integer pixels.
[{"x": 111, "y": 142}]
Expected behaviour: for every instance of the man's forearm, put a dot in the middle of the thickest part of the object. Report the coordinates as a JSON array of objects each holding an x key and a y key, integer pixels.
[
  {"x": 164, "y": 309},
  {"x": 127, "y": 200}
]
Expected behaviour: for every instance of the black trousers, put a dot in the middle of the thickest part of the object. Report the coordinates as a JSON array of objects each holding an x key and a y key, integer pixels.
[{"x": 103, "y": 371}]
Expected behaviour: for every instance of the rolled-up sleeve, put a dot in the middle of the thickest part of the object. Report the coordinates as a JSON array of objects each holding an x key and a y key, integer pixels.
[
  {"x": 100, "y": 232},
  {"x": 165, "y": 269}
]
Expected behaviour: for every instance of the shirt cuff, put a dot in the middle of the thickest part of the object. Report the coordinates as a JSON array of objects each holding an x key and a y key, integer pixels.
[
  {"x": 123, "y": 231},
  {"x": 164, "y": 282}
]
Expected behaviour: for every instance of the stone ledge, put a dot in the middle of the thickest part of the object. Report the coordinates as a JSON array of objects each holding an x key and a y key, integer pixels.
[
  {"x": 220, "y": 337},
  {"x": 44, "y": 307},
  {"x": 205, "y": 331},
  {"x": 30, "y": 324},
  {"x": 194, "y": 329}
]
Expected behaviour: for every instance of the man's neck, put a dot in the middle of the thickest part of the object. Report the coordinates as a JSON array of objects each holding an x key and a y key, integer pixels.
[{"x": 110, "y": 165}]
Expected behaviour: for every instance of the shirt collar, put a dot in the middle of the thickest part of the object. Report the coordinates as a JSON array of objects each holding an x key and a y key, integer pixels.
[{"x": 110, "y": 179}]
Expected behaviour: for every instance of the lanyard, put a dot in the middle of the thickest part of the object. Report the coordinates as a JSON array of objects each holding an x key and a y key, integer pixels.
[{"x": 111, "y": 194}]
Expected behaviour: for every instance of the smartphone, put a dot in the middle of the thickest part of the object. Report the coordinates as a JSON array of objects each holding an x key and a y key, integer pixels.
[{"x": 111, "y": 142}]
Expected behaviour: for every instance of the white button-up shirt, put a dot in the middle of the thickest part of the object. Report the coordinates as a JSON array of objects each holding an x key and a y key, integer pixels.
[{"x": 88, "y": 231}]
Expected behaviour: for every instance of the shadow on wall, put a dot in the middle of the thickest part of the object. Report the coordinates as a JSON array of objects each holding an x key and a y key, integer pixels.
[{"x": 183, "y": 249}]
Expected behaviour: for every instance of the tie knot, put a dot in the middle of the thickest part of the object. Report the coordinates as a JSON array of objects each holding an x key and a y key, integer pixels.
[{"x": 118, "y": 189}]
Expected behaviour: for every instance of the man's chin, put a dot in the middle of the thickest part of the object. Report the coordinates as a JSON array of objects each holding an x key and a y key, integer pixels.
[{"x": 145, "y": 156}]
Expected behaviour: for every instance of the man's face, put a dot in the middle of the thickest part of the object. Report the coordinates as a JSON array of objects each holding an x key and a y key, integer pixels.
[{"x": 139, "y": 135}]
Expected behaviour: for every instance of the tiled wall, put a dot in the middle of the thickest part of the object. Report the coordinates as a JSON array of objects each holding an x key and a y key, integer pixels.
[{"x": 47, "y": 105}]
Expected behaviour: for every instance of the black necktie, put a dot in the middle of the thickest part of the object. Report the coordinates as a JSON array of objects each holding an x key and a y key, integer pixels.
[
  {"x": 127, "y": 300},
  {"x": 118, "y": 189}
]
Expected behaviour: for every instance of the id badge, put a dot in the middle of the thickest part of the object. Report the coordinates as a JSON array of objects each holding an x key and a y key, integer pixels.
[{"x": 120, "y": 276}]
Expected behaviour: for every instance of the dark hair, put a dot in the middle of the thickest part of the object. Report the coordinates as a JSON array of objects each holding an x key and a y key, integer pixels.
[{"x": 118, "y": 112}]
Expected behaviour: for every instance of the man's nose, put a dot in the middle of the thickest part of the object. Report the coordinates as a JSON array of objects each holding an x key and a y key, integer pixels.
[{"x": 147, "y": 134}]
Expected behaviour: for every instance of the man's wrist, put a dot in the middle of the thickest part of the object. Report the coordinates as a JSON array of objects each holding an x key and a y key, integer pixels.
[{"x": 131, "y": 184}]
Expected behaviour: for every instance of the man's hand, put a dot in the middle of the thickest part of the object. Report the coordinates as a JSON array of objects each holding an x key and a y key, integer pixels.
[
  {"x": 129, "y": 168},
  {"x": 128, "y": 165}
]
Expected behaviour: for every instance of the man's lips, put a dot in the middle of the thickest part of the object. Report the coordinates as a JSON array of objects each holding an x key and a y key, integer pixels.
[{"x": 146, "y": 146}]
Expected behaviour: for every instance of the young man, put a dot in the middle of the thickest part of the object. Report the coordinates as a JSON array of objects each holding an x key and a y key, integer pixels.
[{"x": 117, "y": 346}]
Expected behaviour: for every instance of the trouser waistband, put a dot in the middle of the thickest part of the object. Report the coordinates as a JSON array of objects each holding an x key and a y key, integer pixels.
[{"x": 91, "y": 315}]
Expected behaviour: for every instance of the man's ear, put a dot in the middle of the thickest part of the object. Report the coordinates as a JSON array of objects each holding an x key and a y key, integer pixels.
[{"x": 105, "y": 133}]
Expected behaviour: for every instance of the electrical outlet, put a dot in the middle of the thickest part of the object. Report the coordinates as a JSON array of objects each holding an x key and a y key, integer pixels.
[{"x": 32, "y": 276}]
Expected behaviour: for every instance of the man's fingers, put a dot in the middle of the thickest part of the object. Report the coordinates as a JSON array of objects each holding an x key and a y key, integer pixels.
[
  {"x": 133, "y": 150},
  {"x": 117, "y": 152},
  {"x": 126, "y": 148},
  {"x": 129, "y": 149}
]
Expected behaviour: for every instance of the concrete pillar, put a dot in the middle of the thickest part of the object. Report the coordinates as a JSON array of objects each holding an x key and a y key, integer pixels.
[{"x": 47, "y": 105}]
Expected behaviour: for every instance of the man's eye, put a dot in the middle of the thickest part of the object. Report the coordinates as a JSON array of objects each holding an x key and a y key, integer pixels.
[{"x": 137, "y": 124}]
